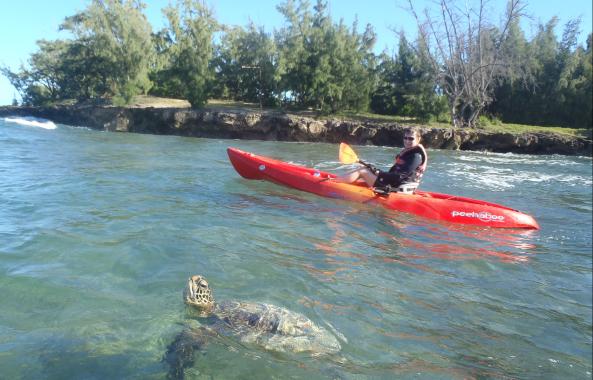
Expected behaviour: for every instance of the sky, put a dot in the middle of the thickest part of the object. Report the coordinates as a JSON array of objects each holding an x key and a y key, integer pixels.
[{"x": 22, "y": 23}]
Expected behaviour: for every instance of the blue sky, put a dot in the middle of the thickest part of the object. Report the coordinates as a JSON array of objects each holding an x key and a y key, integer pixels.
[{"x": 22, "y": 23}]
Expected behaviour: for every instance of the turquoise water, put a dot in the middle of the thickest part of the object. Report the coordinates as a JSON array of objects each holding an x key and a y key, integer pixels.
[{"x": 99, "y": 232}]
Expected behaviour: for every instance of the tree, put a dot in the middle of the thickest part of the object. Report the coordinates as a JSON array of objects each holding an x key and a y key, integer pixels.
[
  {"x": 464, "y": 50},
  {"x": 110, "y": 56},
  {"x": 187, "y": 49},
  {"x": 407, "y": 85},
  {"x": 112, "y": 52},
  {"x": 384, "y": 99},
  {"x": 546, "y": 81},
  {"x": 353, "y": 67},
  {"x": 226, "y": 65},
  {"x": 325, "y": 66},
  {"x": 512, "y": 88},
  {"x": 44, "y": 80},
  {"x": 246, "y": 66},
  {"x": 293, "y": 54},
  {"x": 573, "y": 88}
]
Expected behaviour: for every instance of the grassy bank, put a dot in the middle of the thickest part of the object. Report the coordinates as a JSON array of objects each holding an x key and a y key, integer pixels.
[{"x": 485, "y": 124}]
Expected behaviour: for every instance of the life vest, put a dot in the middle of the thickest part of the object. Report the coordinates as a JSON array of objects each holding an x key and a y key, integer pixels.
[{"x": 420, "y": 169}]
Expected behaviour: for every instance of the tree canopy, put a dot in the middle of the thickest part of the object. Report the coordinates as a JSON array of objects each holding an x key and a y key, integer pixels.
[{"x": 459, "y": 67}]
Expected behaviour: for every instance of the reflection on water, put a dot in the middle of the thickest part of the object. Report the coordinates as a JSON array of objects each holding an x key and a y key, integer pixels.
[
  {"x": 99, "y": 232},
  {"x": 454, "y": 243},
  {"x": 411, "y": 242}
]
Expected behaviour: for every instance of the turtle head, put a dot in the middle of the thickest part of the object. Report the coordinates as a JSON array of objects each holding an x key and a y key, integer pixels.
[{"x": 197, "y": 293}]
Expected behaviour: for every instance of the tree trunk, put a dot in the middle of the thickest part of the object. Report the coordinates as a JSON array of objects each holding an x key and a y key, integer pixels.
[{"x": 464, "y": 52}]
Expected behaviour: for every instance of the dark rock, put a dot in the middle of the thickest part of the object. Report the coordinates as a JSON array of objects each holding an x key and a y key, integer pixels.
[{"x": 278, "y": 126}]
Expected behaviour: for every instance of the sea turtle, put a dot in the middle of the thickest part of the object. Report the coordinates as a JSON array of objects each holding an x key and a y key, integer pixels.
[{"x": 271, "y": 327}]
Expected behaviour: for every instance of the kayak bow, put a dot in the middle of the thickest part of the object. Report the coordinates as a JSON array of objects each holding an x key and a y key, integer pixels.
[{"x": 436, "y": 206}]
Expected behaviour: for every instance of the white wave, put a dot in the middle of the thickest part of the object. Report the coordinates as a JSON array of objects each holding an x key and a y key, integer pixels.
[
  {"x": 498, "y": 178},
  {"x": 503, "y": 158},
  {"x": 515, "y": 158},
  {"x": 30, "y": 121}
]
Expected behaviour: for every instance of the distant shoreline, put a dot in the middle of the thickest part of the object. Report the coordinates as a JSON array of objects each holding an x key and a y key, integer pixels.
[{"x": 251, "y": 124}]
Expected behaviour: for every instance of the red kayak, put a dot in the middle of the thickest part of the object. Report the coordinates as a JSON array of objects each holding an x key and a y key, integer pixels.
[{"x": 436, "y": 206}]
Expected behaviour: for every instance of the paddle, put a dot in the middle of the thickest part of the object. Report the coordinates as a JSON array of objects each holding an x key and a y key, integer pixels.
[{"x": 348, "y": 156}]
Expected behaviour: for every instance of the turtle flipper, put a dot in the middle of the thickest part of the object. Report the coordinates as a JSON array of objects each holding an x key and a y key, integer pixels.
[{"x": 180, "y": 353}]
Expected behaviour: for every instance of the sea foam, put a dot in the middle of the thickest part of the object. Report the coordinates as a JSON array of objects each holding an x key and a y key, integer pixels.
[{"x": 30, "y": 121}]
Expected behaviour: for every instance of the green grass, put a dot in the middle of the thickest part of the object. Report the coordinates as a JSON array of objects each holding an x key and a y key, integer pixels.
[
  {"x": 231, "y": 104},
  {"x": 520, "y": 128},
  {"x": 367, "y": 116},
  {"x": 485, "y": 125}
]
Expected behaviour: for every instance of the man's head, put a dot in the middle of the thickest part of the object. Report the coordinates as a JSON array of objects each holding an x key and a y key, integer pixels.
[{"x": 411, "y": 137}]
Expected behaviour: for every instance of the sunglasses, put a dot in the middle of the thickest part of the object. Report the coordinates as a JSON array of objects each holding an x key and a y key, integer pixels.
[{"x": 409, "y": 138}]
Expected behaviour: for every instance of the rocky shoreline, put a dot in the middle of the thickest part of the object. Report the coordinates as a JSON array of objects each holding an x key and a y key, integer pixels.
[{"x": 278, "y": 126}]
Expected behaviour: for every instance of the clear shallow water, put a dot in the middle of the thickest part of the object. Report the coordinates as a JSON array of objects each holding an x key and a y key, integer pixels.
[{"x": 99, "y": 232}]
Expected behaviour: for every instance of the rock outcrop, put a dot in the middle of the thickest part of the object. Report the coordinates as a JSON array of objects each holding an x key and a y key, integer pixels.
[{"x": 271, "y": 125}]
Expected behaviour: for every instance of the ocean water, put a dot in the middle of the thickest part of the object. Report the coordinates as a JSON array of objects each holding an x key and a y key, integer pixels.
[{"x": 100, "y": 231}]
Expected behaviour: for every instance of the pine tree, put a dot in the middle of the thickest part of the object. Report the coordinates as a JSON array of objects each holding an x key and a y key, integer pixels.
[
  {"x": 112, "y": 51},
  {"x": 186, "y": 48},
  {"x": 325, "y": 66},
  {"x": 246, "y": 66}
]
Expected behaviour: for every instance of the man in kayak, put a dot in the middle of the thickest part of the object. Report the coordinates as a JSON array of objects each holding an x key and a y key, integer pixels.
[{"x": 408, "y": 168}]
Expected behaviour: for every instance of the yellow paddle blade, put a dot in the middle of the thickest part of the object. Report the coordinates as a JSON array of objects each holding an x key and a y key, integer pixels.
[{"x": 347, "y": 155}]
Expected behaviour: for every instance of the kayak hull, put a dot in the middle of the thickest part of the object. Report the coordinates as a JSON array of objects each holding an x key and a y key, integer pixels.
[{"x": 436, "y": 206}]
